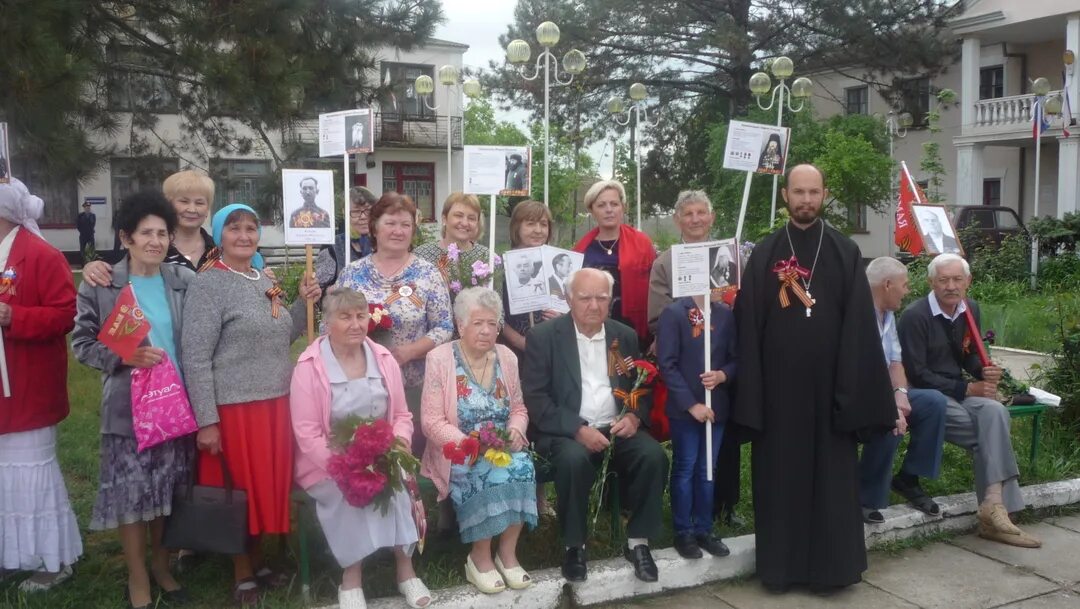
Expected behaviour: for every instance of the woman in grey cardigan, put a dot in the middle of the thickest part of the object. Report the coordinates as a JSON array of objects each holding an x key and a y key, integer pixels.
[{"x": 136, "y": 488}]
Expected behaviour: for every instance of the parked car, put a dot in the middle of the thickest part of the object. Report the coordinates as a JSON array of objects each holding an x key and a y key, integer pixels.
[{"x": 987, "y": 225}]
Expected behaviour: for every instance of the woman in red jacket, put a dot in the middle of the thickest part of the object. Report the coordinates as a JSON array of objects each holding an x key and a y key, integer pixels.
[
  {"x": 621, "y": 250},
  {"x": 38, "y": 531}
]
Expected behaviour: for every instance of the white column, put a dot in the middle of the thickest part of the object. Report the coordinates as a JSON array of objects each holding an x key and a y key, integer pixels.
[
  {"x": 1068, "y": 184},
  {"x": 969, "y": 81},
  {"x": 1072, "y": 42},
  {"x": 969, "y": 174}
]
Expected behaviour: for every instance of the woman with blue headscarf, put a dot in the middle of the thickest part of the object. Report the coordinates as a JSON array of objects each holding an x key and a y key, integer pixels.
[{"x": 237, "y": 367}]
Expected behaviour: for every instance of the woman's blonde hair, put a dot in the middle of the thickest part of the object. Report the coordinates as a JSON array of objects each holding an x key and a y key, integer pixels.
[
  {"x": 188, "y": 182},
  {"x": 470, "y": 201},
  {"x": 595, "y": 190}
]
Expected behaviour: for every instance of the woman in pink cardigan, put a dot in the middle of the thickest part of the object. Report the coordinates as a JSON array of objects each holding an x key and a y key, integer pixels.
[
  {"x": 471, "y": 383},
  {"x": 347, "y": 374}
]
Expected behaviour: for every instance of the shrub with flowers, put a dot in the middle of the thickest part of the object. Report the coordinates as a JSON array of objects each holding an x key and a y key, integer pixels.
[
  {"x": 460, "y": 275},
  {"x": 490, "y": 440},
  {"x": 372, "y": 464}
]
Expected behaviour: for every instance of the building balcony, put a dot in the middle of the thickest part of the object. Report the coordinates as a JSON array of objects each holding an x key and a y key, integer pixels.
[
  {"x": 392, "y": 130},
  {"x": 1003, "y": 118}
]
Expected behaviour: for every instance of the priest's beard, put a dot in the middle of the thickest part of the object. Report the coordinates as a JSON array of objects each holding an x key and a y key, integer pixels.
[{"x": 805, "y": 214}]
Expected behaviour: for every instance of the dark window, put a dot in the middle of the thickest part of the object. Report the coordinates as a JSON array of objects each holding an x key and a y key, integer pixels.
[
  {"x": 992, "y": 82},
  {"x": 915, "y": 99},
  {"x": 857, "y": 100},
  {"x": 136, "y": 84},
  {"x": 242, "y": 181},
  {"x": 856, "y": 217},
  {"x": 61, "y": 195},
  {"x": 401, "y": 99},
  {"x": 414, "y": 179},
  {"x": 992, "y": 191},
  {"x": 128, "y": 176}
]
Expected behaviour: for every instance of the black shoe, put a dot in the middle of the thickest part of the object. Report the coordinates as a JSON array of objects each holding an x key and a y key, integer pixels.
[
  {"x": 175, "y": 597},
  {"x": 872, "y": 516},
  {"x": 573, "y": 565},
  {"x": 713, "y": 545},
  {"x": 908, "y": 487},
  {"x": 644, "y": 567},
  {"x": 687, "y": 546}
]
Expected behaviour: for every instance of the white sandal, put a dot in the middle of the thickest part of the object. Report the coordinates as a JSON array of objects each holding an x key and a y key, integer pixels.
[
  {"x": 31, "y": 586},
  {"x": 351, "y": 599},
  {"x": 414, "y": 591},
  {"x": 515, "y": 577},
  {"x": 488, "y": 583}
]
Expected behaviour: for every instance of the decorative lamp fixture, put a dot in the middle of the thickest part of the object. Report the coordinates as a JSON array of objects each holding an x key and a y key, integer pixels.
[
  {"x": 782, "y": 67},
  {"x": 518, "y": 52},
  {"x": 448, "y": 75},
  {"x": 547, "y": 34},
  {"x": 1040, "y": 87},
  {"x": 472, "y": 88},
  {"x": 424, "y": 85},
  {"x": 760, "y": 83}
]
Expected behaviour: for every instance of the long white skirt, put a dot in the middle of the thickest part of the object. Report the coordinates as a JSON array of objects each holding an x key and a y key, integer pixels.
[{"x": 37, "y": 526}]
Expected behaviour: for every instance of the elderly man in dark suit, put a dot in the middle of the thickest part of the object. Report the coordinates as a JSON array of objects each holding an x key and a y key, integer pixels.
[{"x": 568, "y": 384}]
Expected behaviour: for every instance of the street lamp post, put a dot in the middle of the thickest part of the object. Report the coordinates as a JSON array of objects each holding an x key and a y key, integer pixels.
[
  {"x": 518, "y": 54},
  {"x": 424, "y": 87},
  {"x": 1048, "y": 107},
  {"x": 617, "y": 107},
  {"x": 760, "y": 84},
  {"x": 896, "y": 126}
]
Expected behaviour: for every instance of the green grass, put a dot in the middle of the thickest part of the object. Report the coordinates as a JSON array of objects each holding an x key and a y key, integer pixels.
[{"x": 101, "y": 575}]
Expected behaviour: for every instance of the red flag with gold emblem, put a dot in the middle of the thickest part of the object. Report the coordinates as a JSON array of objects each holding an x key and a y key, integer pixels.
[
  {"x": 907, "y": 234},
  {"x": 126, "y": 326}
]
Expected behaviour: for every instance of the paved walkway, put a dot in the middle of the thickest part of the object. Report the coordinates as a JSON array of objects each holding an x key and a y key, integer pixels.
[
  {"x": 1019, "y": 363},
  {"x": 963, "y": 573}
]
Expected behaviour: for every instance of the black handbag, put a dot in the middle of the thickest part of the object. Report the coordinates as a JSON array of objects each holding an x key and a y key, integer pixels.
[{"x": 208, "y": 518}]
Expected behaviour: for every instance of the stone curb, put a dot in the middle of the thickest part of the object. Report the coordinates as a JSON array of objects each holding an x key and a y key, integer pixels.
[
  {"x": 1019, "y": 351},
  {"x": 613, "y": 579}
]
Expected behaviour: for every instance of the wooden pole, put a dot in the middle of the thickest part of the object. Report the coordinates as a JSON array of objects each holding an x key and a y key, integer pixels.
[
  {"x": 3, "y": 366},
  {"x": 491, "y": 243},
  {"x": 707, "y": 305},
  {"x": 309, "y": 271}
]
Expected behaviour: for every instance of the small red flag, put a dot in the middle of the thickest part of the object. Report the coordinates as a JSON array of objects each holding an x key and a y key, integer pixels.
[
  {"x": 907, "y": 235},
  {"x": 126, "y": 326}
]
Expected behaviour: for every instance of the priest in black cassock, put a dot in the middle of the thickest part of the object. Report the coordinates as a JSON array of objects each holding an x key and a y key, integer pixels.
[{"x": 813, "y": 384}]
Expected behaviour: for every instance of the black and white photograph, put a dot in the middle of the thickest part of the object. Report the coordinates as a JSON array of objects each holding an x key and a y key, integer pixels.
[
  {"x": 525, "y": 280},
  {"x": 308, "y": 196},
  {"x": 938, "y": 234},
  {"x": 5, "y": 155},
  {"x": 359, "y": 132},
  {"x": 558, "y": 265},
  {"x": 756, "y": 148},
  {"x": 517, "y": 174},
  {"x": 724, "y": 266},
  {"x": 498, "y": 170}
]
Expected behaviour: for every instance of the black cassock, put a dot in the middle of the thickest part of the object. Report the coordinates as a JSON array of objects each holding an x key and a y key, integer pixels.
[{"x": 809, "y": 389}]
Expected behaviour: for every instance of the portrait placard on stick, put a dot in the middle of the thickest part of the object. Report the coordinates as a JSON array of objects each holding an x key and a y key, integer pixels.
[
  {"x": 699, "y": 268},
  {"x": 756, "y": 148},
  {"x": 498, "y": 170},
  {"x": 308, "y": 198},
  {"x": 938, "y": 234},
  {"x": 346, "y": 132},
  {"x": 5, "y": 155},
  {"x": 536, "y": 278}
]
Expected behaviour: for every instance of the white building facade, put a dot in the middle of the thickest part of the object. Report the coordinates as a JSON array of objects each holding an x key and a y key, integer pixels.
[
  {"x": 410, "y": 153},
  {"x": 986, "y": 142}
]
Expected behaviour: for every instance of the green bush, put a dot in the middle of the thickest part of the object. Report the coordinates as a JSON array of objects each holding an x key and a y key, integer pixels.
[{"x": 1063, "y": 378}]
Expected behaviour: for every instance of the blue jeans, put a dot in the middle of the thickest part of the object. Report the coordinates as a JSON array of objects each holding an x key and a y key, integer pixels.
[
  {"x": 926, "y": 424},
  {"x": 691, "y": 493}
]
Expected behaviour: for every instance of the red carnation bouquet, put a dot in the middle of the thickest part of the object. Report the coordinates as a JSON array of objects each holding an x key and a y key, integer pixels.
[
  {"x": 490, "y": 440},
  {"x": 379, "y": 318},
  {"x": 371, "y": 464}
]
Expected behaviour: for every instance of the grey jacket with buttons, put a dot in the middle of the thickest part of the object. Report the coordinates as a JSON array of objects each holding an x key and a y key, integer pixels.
[{"x": 93, "y": 307}]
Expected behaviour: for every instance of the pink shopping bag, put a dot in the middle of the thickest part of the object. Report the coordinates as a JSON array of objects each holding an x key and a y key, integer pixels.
[{"x": 160, "y": 410}]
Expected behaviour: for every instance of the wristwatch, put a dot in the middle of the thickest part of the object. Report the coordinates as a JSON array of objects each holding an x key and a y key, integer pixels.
[{"x": 902, "y": 390}]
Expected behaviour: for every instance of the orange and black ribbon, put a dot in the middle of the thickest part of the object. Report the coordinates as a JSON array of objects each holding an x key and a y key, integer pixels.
[
  {"x": 618, "y": 364},
  {"x": 7, "y": 282},
  {"x": 212, "y": 258},
  {"x": 697, "y": 322},
  {"x": 395, "y": 295},
  {"x": 274, "y": 293},
  {"x": 631, "y": 399},
  {"x": 790, "y": 273},
  {"x": 443, "y": 264}
]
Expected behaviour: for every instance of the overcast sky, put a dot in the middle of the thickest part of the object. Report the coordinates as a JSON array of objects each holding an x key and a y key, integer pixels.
[{"x": 478, "y": 24}]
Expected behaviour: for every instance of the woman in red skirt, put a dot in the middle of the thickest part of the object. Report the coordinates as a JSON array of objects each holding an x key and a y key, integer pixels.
[{"x": 237, "y": 367}]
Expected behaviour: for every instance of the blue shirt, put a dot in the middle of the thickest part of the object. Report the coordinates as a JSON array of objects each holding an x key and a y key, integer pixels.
[
  {"x": 890, "y": 340},
  {"x": 150, "y": 293}
]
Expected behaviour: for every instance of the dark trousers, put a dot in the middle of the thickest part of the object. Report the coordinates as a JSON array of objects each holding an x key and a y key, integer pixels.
[
  {"x": 85, "y": 241},
  {"x": 727, "y": 473},
  {"x": 691, "y": 491},
  {"x": 926, "y": 424},
  {"x": 642, "y": 468}
]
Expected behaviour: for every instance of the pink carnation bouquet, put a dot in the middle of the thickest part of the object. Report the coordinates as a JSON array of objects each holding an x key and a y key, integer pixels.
[{"x": 369, "y": 463}]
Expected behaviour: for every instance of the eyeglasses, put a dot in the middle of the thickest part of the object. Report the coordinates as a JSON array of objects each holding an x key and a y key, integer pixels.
[{"x": 363, "y": 211}]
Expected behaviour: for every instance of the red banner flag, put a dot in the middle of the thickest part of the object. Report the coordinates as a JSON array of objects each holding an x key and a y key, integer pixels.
[
  {"x": 126, "y": 326},
  {"x": 907, "y": 235}
]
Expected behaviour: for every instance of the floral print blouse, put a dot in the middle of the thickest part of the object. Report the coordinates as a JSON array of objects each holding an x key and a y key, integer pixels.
[{"x": 417, "y": 300}]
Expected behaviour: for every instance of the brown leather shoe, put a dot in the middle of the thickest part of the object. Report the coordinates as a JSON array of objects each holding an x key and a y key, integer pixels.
[
  {"x": 1022, "y": 540},
  {"x": 997, "y": 518}
]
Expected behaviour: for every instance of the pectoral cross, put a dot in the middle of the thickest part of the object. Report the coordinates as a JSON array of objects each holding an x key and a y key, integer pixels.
[{"x": 812, "y": 300}]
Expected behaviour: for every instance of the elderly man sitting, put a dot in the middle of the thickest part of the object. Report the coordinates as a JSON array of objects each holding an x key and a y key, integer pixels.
[
  {"x": 938, "y": 355},
  {"x": 918, "y": 411},
  {"x": 568, "y": 386}
]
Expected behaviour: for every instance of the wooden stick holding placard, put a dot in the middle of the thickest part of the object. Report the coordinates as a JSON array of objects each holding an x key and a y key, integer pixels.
[
  {"x": 348, "y": 214},
  {"x": 309, "y": 271},
  {"x": 742, "y": 208},
  {"x": 707, "y": 306},
  {"x": 491, "y": 244},
  {"x": 3, "y": 366}
]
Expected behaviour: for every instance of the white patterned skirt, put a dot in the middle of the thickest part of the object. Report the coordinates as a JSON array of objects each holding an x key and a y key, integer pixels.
[{"x": 37, "y": 526}]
